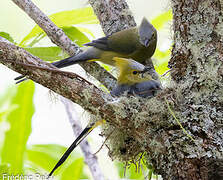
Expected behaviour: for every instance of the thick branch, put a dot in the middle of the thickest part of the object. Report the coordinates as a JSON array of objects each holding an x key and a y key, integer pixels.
[
  {"x": 114, "y": 15},
  {"x": 58, "y": 37},
  {"x": 197, "y": 69},
  {"x": 80, "y": 91},
  {"x": 68, "y": 85}
]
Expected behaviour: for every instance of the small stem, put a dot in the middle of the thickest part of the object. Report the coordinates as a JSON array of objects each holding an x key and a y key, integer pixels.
[{"x": 90, "y": 159}]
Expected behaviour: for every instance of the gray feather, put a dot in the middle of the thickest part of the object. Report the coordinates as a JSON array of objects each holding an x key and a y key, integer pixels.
[
  {"x": 144, "y": 89},
  {"x": 101, "y": 43},
  {"x": 90, "y": 53}
]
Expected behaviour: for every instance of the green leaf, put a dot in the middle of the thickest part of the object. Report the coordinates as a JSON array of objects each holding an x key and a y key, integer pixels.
[
  {"x": 74, "y": 170},
  {"x": 55, "y": 53},
  {"x": 161, "y": 62},
  {"x": 4, "y": 171},
  {"x": 120, "y": 168},
  {"x": 4, "y": 114},
  {"x": 161, "y": 68},
  {"x": 76, "y": 35},
  {"x": 7, "y": 36},
  {"x": 162, "y": 55},
  {"x": 133, "y": 174},
  {"x": 20, "y": 127},
  {"x": 85, "y": 30},
  {"x": 37, "y": 38},
  {"x": 45, "y": 156},
  {"x": 7, "y": 96},
  {"x": 76, "y": 16},
  {"x": 47, "y": 53},
  {"x": 65, "y": 18},
  {"x": 162, "y": 19}
]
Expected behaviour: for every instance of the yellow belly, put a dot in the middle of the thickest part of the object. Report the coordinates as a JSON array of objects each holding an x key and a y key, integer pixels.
[{"x": 107, "y": 57}]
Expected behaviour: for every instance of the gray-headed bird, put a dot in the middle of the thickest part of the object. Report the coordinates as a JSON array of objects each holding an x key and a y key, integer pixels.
[
  {"x": 138, "y": 43},
  {"x": 133, "y": 79}
]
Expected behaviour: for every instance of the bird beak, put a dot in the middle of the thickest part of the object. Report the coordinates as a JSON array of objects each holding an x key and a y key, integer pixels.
[
  {"x": 143, "y": 72},
  {"x": 146, "y": 43}
]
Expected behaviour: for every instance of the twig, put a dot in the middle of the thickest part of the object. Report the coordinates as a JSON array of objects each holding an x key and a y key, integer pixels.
[
  {"x": 103, "y": 143},
  {"x": 164, "y": 74},
  {"x": 58, "y": 37},
  {"x": 76, "y": 89},
  {"x": 90, "y": 159},
  {"x": 65, "y": 73}
]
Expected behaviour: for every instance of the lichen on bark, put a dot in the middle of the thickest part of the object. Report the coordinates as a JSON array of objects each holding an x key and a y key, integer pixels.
[{"x": 136, "y": 125}]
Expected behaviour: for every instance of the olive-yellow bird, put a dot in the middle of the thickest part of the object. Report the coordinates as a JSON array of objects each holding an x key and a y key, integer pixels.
[
  {"x": 138, "y": 43},
  {"x": 133, "y": 79}
]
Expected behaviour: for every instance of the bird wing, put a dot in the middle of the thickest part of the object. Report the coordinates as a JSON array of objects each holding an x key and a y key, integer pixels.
[
  {"x": 120, "y": 89},
  {"x": 101, "y": 43},
  {"x": 124, "y": 42},
  {"x": 147, "y": 88}
]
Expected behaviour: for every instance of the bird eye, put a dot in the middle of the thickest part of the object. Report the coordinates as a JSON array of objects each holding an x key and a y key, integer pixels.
[{"x": 134, "y": 72}]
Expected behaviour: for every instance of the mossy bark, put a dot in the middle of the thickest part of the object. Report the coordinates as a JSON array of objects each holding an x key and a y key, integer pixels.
[
  {"x": 150, "y": 126},
  {"x": 191, "y": 148},
  {"x": 198, "y": 73}
]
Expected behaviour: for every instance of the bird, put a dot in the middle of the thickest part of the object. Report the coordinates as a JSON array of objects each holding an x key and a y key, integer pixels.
[
  {"x": 138, "y": 43},
  {"x": 134, "y": 79}
]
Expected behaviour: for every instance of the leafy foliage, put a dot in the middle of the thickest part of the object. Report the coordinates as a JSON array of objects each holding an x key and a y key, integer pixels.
[
  {"x": 55, "y": 53},
  {"x": 47, "y": 53},
  {"x": 17, "y": 109},
  {"x": 63, "y": 19},
  {"x": 140, "y": 170},
  {"x": 19, "y": 121},
  {"x": 7, "y": 36},
  {"x": 162, "y": 57},
  {"x": 76, "y": 35},
  {"x": 162, "y": 19},
  {"x": 44, "y": 157}
]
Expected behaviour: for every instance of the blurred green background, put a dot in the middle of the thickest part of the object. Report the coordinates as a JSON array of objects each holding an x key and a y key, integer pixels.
[{"x": 31, "y": 117}]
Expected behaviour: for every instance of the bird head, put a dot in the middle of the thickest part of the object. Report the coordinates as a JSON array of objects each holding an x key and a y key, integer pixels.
[
  {"x": 130, "y": 71},
  {"x": 147, "y": 33}
]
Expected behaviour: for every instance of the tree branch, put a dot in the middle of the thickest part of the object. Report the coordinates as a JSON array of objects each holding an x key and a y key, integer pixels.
[
  {"x": 58, "y": 37},
  {"x": 114, "y": 15},
  {"x": 90, "y": 159},
  {"x": 102, "y": 105},
  {"x": 140, "y": 124},
  {"x": 68, "y": 85}
]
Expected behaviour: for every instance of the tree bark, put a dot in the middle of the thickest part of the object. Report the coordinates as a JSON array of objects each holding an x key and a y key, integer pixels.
[
  {"x": 58, "y": 37},
  {"x": 90, "y": 158},
  {"x": 180, "y": 130},
  {"x": 197, "y": 71}
]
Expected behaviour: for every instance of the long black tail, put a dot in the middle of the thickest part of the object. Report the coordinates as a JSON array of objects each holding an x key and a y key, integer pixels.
[
  {"x": 68, "y": 61},
  {"x": 77, "y": 141},
  {"x": 80, "y": 138}
]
